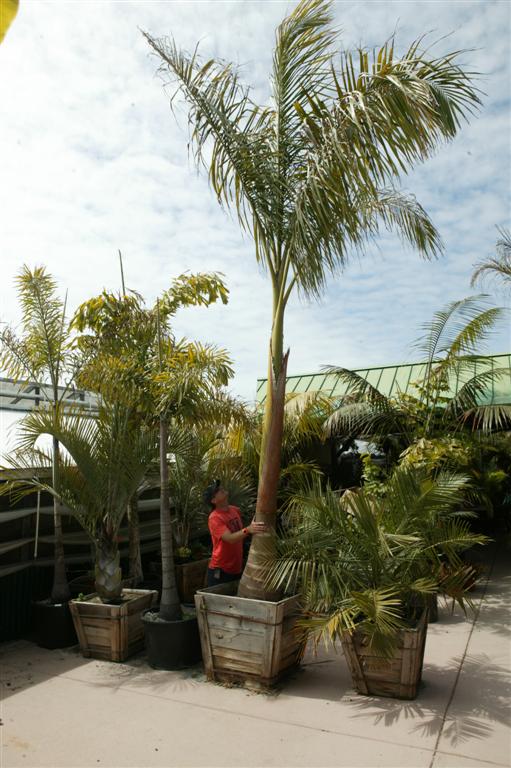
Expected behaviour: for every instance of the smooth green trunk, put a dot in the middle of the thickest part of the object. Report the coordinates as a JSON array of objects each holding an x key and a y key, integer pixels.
[
  {"x": 135, "y": 560},
  {"x": 60, "y": 592},
  {"x": 262, "y": 548},
  {"x": 170, "y": 606}
]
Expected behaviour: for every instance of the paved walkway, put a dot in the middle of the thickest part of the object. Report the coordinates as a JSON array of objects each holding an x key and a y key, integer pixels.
[{"x": 63, "y": 711}]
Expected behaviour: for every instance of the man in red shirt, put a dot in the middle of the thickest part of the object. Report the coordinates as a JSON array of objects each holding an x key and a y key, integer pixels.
[{"x": 227, "y": 535}]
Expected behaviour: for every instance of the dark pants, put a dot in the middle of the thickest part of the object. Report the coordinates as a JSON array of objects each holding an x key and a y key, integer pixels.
[{"x": 217, "y": 576}]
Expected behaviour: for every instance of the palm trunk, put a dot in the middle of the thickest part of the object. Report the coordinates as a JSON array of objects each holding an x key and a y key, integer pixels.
[
  {"x": 107, "y": 569},
  {"x": 262, "y": 548},
  {"x": 135, "y": 567},
  {"x": 60, "y": 592},
  {"x": 170, "y": 607}
]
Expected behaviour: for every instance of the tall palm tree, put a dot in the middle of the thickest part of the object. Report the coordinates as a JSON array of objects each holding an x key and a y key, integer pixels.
[
  {"x": 312, "y": 176},
  {"x": 498, "y": 266},
  {"x": 434, "y": 406},
  {"x": 43, "y": 354}
]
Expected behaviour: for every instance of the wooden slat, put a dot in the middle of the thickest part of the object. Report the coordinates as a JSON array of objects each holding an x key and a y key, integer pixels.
[
  {"x": 241, "y": 624},
  {"x": 354, "y": 664},
  {"x": 237, "y": 660},
  {"x": 255, "y": 610},
  {"x": 202, "y": 621},
  {"x": 82, "y": 637},
  {"x": 99, "y": 635}
]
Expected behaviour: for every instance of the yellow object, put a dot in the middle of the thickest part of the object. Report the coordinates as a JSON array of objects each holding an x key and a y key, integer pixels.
[{"x": 8, "y": 10}]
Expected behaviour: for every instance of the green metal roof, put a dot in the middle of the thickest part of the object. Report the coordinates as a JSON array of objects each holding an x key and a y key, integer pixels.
[{"x": 391, "y": 380}]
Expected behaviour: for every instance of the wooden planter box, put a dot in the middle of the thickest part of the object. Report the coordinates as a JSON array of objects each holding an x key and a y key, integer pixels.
[
  {"x": 191, "y": 577},
  {"x": 250, "y": 642},
  {"x": 398, "y": 677},
  {"x": 112, "y": 632}
]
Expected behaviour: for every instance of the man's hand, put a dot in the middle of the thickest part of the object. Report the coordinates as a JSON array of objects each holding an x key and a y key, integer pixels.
[{"x": 254, "y": 528}]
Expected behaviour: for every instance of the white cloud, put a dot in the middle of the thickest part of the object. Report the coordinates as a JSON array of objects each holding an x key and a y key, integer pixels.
[{"x": 92, "y": 160}]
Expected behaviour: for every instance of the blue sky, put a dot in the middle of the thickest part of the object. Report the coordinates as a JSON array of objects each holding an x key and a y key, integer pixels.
[{"x": 92, "y": 160}]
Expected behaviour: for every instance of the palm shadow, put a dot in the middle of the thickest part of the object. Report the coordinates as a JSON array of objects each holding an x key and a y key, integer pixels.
[{"x": 483, "y": 698}]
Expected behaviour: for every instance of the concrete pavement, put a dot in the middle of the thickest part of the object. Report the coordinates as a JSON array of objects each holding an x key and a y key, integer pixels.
[{"x": 62, "y": 711}]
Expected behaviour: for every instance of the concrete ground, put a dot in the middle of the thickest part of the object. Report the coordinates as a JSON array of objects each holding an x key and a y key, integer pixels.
[{"x": 63, "y": 711}]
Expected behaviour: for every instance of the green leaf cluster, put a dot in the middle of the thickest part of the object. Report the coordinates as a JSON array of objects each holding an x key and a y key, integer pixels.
[{"x": 366, "y": 561}]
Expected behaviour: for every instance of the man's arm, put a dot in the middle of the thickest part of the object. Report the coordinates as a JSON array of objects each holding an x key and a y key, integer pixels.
[{"x": 250, "y": 530}]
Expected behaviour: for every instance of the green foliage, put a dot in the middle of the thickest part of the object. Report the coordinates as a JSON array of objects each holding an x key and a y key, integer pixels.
[
  {"x": 206, "y": 458},
  {"x": 367, "y": 561},
  {"x": 499, "y": 266},
  {"x": 292, "y": 170},
  {"x": 133, "y": 357},
  {"x": 374, "y": 476},
  {"x": 105, "y": 463},
  {"x": 431, "y": 409},
  {"x": 312, "y": 173}
]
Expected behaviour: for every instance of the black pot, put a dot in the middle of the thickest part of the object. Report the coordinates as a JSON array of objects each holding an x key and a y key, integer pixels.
[
  {"x": 54, "y": 626},
  {"x": 172, "y": 644}
]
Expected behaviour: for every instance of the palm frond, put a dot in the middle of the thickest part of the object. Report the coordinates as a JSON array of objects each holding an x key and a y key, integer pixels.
[
  {"x": 240, "y": 169},
  {"x": 499, "y": 266}
]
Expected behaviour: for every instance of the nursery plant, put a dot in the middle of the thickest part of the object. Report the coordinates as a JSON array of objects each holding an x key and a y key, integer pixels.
[
  {"x": 175, "y": 386},
  {"x": 105, "y": 461},
  {"x": 292, "y": 171},
  {"x": 118, "y": 339},
  {"x": 42, "y": 353},
  {"x": 365, "y": 562}
]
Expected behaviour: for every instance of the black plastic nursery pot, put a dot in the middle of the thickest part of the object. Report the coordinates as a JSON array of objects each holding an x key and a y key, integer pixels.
[
  {"x": 172, "y": 644},
  {"x": 54, "y": 626}
]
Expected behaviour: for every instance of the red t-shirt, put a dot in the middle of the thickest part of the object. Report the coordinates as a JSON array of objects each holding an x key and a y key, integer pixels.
[{"x": 227, "y": 556}]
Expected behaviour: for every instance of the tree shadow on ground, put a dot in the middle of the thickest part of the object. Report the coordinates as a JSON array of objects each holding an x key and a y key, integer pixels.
[
  {"x": 23, "y": 664},
  {"x": 136, "y": 673},
  {"x": 483, "y": 697}
]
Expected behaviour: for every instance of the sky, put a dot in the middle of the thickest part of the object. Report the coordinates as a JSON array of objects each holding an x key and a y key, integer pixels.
[{"x": 92, "y": 160}]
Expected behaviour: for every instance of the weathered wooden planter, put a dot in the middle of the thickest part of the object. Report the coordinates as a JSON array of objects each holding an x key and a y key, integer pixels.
[
  {"x": 110, "y": 631},
  {"x": 398, "y": 677},
  {"x": 250, "y": 642},
  {"x": 191, "y": 577}
]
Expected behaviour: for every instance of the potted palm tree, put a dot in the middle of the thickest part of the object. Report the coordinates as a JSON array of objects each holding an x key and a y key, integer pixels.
[
  {"x": 291, "y": 170},
  {"x": 105, "y": 462},
  {"x": 185, "y": 383},
  {"x": 172, "y": 385},
  {"x": 365, "y": 563},
  {"x": 43, "y": 354}
]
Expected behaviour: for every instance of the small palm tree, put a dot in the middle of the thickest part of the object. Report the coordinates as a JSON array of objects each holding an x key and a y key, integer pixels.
[
  {"x": 313, "y": 174},
  {"x": 107, "y": 460},
  {"x": 43, "y": 354},
  {"x": 363, "y": 561}
]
